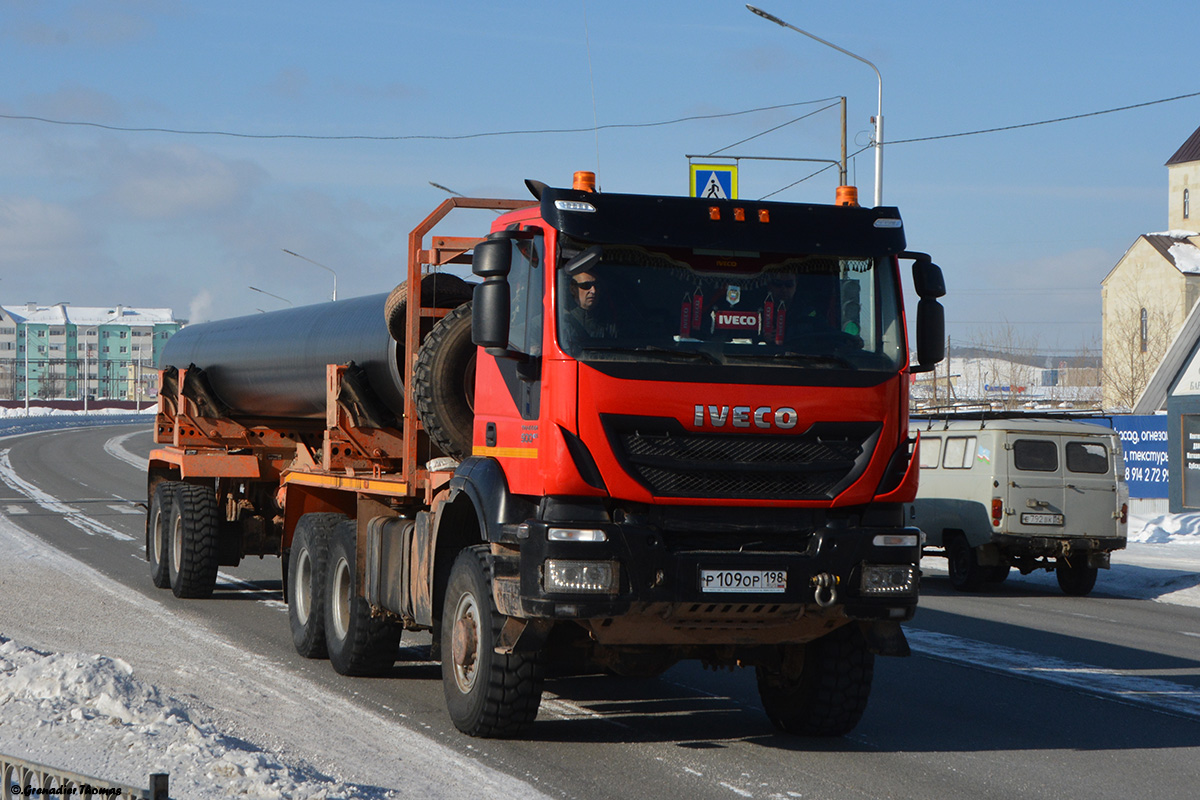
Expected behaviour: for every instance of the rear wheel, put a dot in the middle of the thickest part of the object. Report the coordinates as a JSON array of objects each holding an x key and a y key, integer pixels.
[
  {"x": 307, "y": 568},
  {"x": 357, "y": 643},
  {"x": 1075, "y": 577},
  {"x": 192, "y": 541},
  {"x": 966, "y": 574},
  {"x": 158, "y": 533},
  {"x": 822, "y": 689},
  {"x": 487, "y": 694}
]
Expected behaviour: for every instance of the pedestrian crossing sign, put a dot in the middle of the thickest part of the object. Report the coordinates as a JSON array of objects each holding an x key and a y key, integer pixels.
[{"x": 714, "y": 181}]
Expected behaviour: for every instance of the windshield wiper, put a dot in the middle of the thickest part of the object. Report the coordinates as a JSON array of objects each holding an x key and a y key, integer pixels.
[{"x": 821, "y": 359}]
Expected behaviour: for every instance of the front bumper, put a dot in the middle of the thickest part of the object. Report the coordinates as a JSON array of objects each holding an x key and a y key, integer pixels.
[{"x": 656, "y": 581}]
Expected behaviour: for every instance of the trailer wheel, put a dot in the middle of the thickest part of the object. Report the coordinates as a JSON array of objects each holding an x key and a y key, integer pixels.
[
  {"x": 357, "y": 643},
  {"x": 1076, "y": 579},
  {"x": 966, "y": 573},
  {"x": 157, "y": 533},
  {"x": 828, "y": 694},
  {"x": 307, "y": 568},
  {"x": 192, "y": 534},
  {"x": 444, "y": 383},
  {"x": 487, "y": 694},
  {"x": 438, "y": 290}
]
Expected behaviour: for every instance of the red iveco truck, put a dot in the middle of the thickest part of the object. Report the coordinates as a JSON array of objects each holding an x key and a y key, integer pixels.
[{"x": 650, "y": 429}]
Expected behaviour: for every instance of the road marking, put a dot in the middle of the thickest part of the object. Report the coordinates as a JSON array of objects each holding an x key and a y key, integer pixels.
[
  {"x": 10, "y": 510},
  {"x": 52, "y": 504},
  {"x": 115, "y": 447},
  {"x": 126, "y": 509},
  {"x": 1172, "y": 698}
]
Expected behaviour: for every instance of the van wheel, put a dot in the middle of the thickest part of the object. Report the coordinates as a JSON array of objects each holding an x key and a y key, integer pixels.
[
  {"x": 966, "y": 574},
  {"x": 1076, "y": 579},
  {"x": 828, "y": 694},
  {"x": 487, "y": 694},
  {"x": 357, "y": 643}
]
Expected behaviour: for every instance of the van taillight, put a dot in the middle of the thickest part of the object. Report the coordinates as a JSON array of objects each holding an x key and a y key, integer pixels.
[
  {"x": 997, "y": 511},
  {"x": 1124, "y": 513}
]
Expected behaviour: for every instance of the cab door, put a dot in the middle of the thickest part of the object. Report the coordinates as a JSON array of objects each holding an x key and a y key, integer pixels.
[{"x": 1036, "y": 502}]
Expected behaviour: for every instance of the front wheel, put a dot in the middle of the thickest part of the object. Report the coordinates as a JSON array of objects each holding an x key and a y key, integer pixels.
[
  {"x": 487, "y": 694},
  {"x": 1076, "y": 579},
  {"x": 966, "y": 573},
  {"x": 823, "y": 689}
]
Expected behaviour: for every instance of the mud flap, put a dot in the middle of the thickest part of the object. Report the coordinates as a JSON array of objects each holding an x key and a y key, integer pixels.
[{"x": 886, "y": 638}]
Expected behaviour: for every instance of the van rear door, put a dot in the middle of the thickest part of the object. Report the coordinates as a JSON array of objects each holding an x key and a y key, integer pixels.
[
  {"x": 1036, "y": 489},
  {"x": 1091, "y": 486}
]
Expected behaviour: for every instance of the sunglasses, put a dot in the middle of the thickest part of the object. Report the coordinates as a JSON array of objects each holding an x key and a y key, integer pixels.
[{"x": 584, "y": 285}]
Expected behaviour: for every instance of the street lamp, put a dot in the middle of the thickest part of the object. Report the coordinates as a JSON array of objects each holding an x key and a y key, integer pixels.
[
  {"x": 268, "y": 294},
  {"x": 879, "y": 111},
  {"x": 316, "y": 264}
]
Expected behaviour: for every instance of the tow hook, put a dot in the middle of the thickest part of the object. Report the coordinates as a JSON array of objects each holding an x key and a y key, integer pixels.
[{"x": 826, "y": 584}]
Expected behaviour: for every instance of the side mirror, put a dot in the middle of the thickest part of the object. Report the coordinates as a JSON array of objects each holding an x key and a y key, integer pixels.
[
  {"x": 927, "y": 276},
  {"x": 492, "y": 261},
  {"x": 931, "y": 334},
  {"x": 492, "y": 258}
]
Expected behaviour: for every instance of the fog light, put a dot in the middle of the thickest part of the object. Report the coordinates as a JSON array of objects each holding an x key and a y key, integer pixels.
[
  {"x": 889, "y": 579},
  {"x": 593, "y": 577}
]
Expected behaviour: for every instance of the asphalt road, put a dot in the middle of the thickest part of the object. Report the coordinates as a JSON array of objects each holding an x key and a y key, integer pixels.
[{"x": 1020, "y": 692}]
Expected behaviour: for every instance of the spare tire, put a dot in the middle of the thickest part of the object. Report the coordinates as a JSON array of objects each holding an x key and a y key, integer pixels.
[
  {"x": 438, "y": 290},
  {"x": 444, "y": 383}
]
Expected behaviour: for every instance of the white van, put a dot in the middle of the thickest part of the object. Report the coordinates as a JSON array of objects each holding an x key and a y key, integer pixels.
[{"x": 1031, "y": 493}]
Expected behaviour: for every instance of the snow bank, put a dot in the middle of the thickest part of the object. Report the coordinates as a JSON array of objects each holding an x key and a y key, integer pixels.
[
  {"x": 1166, "y": 529},
  {"x": 89, "y": 714}
]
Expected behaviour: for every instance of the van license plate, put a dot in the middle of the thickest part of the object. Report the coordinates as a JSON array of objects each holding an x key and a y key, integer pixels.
[
  {"x": 767, "y": 581},
  {"x": 1041, "y": 519}
]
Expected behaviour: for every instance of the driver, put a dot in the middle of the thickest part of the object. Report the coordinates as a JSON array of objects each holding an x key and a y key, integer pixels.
[{"x": 584, "y": 319}]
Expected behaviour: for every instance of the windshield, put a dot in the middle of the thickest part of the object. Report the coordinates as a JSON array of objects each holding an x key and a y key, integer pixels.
[{"x": 768, "y": 309}]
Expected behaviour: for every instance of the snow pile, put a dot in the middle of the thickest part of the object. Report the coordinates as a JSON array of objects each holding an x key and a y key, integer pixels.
[
  {"x": 1186, "y": 256},
  {"x": 1166, "y": 529},
  {"x": 89, "y": 714}
]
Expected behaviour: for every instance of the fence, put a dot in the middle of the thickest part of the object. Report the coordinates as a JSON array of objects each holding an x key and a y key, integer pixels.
[{"x": 26, "y": 779}]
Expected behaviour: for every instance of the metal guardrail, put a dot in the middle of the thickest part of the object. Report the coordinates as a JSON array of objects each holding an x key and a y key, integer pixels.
[{"x": 27, "y": 779}]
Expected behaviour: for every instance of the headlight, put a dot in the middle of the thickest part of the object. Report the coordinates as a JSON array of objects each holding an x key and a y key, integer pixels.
[
  {"x": 576, "y": 535},
  {"x": 889, "y": 579},
  {"x": 592, "y": 577}
]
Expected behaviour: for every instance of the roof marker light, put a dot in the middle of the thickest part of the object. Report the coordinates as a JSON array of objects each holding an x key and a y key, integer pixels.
[
  {"x": 574, "y": 205},
  {"x": 714, "y": 212}
]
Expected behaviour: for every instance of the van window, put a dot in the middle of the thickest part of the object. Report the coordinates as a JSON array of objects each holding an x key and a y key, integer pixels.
[
  {"x": 1089, "y": 457},
  {"x": 960, "y": 452},
  {"x": 931, "y": 451},
  {"x": 1035, "y": 455}
]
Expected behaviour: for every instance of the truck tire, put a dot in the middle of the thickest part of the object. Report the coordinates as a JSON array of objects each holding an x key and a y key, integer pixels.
[
  {"x": 444, "y": 383},
  {"x": 830, "y": 693},
  {"x": 357, "y": 642},
  {"x": 966, "y": 573},
  {"x": 192, "y": 533},
  {"x": 307, "y": 571},
  {"x": 487, "y": 694},
  {"x": 158, "y": 520},
  {"x": 1076, "y": 579},
  {"x": 438, "y": 290}
]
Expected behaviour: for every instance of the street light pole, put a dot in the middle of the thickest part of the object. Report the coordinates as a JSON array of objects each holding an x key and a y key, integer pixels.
[
  {"x": 879, "y": 111},
  {"x": 316, "y": 264},
  {"x": 268, "y": 294}
]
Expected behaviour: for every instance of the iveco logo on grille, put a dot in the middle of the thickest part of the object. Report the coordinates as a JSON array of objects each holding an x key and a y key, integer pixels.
[{"x": 746, "y": 416}]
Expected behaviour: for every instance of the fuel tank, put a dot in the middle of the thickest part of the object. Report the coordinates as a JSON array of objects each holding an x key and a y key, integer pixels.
[{"x": 273, "y": 364}]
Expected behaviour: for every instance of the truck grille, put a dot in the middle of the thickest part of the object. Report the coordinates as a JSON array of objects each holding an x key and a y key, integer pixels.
[{"x": 673, "y": 462}]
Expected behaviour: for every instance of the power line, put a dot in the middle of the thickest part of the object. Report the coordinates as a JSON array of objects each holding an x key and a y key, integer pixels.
[
  {"x": 1042, "y": 122},
  {"x": 410, "y": 137}
]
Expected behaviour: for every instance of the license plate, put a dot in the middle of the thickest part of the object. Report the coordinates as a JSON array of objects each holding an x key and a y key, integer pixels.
[
  {"x": 1041, "y": 519},
  {"x": 764, "y": 581}
]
